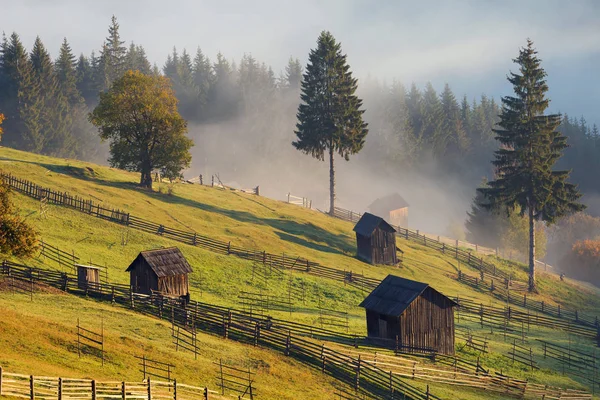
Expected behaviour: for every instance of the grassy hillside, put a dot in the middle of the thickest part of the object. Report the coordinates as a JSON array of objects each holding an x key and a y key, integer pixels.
[
  {"x": 263, "y": 224},
  {"x": 39, "y": 337}
]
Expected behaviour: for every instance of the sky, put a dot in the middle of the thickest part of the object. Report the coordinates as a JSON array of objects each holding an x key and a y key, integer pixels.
[{"x": 468, "y": 44}]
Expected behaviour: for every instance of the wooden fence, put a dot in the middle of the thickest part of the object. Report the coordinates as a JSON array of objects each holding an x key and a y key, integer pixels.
[
  {"x": 217, "y": 183},
  {"x": 299, "y": 201},
  {"x": 283, "y": 261},
  {"x": 555, "y": 315},
  {"x": 458, "y": 374},
  {"x": 293, "y": 339},
  {"x": 44, "y": 387},
  {"x": 284, "y": 336}
]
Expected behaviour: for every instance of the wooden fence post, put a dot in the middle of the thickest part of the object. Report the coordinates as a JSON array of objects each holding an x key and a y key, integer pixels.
[
  {"x": 31, "y": 388},
  {"x": 93, "y": 389},
  {"x": 60, "y": 388},
  {"x": 149, "y": 390},
  {"x": 288, "y": 341},
  {"x": 123, "y": 392},
  {"x": 0, "y": 380},
  {"x": 205, "y": 393},
  {"x": 174, "y": 389},
  {"x": 357, "y": 382}
]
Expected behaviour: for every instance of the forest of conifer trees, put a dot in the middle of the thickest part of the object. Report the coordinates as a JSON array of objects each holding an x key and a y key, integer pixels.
[{"x": 46, "y": 104}]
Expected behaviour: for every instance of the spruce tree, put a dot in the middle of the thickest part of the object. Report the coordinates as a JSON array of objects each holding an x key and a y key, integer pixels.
[
  {"x": 66, "y": 74},
  {"x": 85, "y": 80},
  {"x": 203, "y": 79},
  {"x": 433, "y": 116},
  {"x": 54, "y": 113},
  {"x": 114, "y": 52},
  {"x": 20, "y": 99},
  {"x": 453, "y": 131},
  {"x": 529, "y": 148},
  {"x": 414, "y": 123},
  {"x": 330, "y": 116}
]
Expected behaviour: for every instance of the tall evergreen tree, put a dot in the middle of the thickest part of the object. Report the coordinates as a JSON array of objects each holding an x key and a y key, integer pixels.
[
  {"x": 114, "y": 53},
  {"x": 453, "y": 131},
  {"x": 20, "y": 99},
  {"x": 203, "y": 79},
  {"x": 433, "y": 117},
  {"x": 330, "y": 115},
  {"x": 66, "y": 74},
  {"x": 530, "y": 146},
  {"x": 54, "y": 116}
]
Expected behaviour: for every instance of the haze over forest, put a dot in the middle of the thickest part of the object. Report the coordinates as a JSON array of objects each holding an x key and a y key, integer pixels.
[{"x": 242, "y": 115}]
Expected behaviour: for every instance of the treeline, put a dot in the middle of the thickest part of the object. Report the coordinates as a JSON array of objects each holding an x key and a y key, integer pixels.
[{"x": 46, "y": 104}]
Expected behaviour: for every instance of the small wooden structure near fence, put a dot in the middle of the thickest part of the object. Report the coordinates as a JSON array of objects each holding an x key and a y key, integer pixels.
[
  {"x": 161, "y": 270},
  {"x": 375, "y": 240},
  {"x": 413, "y": 312},
  {"x": 88, "y": 277}
]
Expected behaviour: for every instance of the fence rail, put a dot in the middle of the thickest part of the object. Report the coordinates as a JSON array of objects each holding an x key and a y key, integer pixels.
[{"x": 44, "y": 387}]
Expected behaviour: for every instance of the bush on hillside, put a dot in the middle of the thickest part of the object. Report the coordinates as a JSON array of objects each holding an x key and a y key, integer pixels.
[{"x": 17, "y": 238}]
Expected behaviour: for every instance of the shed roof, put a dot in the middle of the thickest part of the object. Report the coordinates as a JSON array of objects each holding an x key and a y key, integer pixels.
[
  {"x": 389, "y": 203},
  {"x": 394, "y": 294},
  {"x": 368, "y": 222},
  {"x": 88, "y": 266},
  {"x": 164, "y": 262}
]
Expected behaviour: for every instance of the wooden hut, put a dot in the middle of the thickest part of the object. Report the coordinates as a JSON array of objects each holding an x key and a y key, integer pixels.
[
  {"x": 375, "y": 240},
  {"x": 162, "y": 270},
  {"x": 416, "y": 316},
  {"x": 88, "y": 277},
  {"x": 393, "y": 208}
]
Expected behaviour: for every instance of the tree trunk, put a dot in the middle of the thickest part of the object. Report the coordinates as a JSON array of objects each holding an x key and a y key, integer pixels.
[
  {"x": 532, "y": 286},
  {"x": 331, "y": 182},
  {"x": 146, "y": 178}
]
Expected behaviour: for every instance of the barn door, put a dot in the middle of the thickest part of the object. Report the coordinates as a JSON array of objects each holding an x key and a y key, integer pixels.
[{"x": 383, "y": 331}]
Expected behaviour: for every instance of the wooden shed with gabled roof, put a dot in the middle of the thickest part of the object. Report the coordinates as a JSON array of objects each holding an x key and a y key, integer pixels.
[
  {"x": 375, "y": 240},
  {"x": 413, "y": 313},
  {"x": 393, "y": 208},
  {"x": 162, "y": 270}
]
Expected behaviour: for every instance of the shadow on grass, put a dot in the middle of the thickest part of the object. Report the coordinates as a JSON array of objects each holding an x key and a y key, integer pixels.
[{"x": 304, "y": 234}]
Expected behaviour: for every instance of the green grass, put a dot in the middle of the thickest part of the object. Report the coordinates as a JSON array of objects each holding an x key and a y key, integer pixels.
[
  {"x": 264, "y": 224},
  {"x": 39, "y": 337}
]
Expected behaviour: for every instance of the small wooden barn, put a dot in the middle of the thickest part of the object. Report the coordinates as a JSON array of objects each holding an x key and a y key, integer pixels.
[
  {"x": 375, "y": 240},
  {"x": 393, "y": 208},
  {"x": 419, "y": 317},
  {"x": 161, "y": 270},
  {"x": 88, "y": 277}
]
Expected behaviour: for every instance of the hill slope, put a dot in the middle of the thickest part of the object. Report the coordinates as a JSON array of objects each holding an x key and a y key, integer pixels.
[{"x": 263, "y": 224}]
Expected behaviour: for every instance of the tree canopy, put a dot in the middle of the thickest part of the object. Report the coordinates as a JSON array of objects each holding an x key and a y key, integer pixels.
[{"x": 138, "y": 116}]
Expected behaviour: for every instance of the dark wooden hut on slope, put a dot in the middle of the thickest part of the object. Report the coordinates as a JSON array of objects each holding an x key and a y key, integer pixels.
[
  {"x": 393, "y": 208},
  {"x": 419, "y": 317},
  {"x": 375, "y": 240},
  {"x": 162, "y": 270}
]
